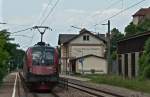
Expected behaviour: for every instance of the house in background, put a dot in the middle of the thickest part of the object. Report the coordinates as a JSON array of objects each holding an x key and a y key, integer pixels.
[
  {"x": 142, "y": 14},
  {"x": 129, "y": 51},
  {"x": 83, "y": 52}
]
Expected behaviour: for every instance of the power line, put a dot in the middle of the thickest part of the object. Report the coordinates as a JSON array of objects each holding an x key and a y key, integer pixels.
[
  {"x": 26, "y": 44},
  {"x": 22, "y": 36},
  {"x": 17, "y": 24},
  {"x": 118, "y": 1},
  {"x": 22, "y": 30},
  {"x": 50, "y": 12},
  {"x": 122, "y": 11},
  {"x": 42, "y": 15}
]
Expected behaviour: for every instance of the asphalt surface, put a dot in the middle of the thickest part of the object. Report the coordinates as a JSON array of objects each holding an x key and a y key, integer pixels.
[
  {"x": 6, "y": 88},
  {"x": 12, "y": 87}
]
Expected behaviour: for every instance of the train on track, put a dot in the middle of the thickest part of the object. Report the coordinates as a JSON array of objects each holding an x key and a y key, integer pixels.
[{"x": 40, "y": 69}]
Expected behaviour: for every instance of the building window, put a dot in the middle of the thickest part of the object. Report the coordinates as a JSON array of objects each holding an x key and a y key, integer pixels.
[{"x": 86, "y": 37}]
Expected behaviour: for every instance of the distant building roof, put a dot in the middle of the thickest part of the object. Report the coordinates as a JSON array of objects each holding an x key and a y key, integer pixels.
[
  {"x": 135, "y": 36},
  {"x": 134, "y": 43},
  {"x": 65, "y": 38},
  {"x": 142, "y": 12}
]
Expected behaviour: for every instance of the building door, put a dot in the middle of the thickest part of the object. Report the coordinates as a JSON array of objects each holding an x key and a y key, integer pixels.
[
  {"x": 133, "y": 64},
  {"x": 119, "y": 65},
  {"x": 73, "y": 66},
  {"x": 126, "y": 65}
]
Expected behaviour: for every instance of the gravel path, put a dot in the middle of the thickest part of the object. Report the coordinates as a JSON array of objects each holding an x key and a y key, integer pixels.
[{"x": 71, "y": 92}]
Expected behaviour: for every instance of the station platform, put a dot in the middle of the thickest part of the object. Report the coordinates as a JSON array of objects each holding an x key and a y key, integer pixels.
[
  {"x": 75, "y": 78},
  {"x": 110, "y": 88}
]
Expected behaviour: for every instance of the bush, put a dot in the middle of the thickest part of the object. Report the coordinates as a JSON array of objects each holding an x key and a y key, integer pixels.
[
  {"x": 144, "y": 62},
  {"x": 93, "y": 71}
]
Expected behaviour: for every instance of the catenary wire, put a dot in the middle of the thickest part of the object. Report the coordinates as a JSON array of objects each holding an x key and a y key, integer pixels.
[
  {"x": 44, "y": 11},
  {"x": 118, "y": 1},
  {"x": 21, "y": 30},
  {"x": 121, "y": 11},
  {"x": 50, "y": 12}
]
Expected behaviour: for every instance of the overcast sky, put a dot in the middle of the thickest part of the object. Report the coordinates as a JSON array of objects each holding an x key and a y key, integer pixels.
[{"x": 80, "y": 13}]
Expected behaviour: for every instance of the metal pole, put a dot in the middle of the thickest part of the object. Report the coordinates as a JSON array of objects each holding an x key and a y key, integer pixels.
[
  {"x": 108, "y": 47},
  {"x": 41, "y": 37},
  {"x": 82, "y": 62}
]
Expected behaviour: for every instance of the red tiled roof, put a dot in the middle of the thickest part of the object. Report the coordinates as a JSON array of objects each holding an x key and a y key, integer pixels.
[{"x": 142, "y": 12}]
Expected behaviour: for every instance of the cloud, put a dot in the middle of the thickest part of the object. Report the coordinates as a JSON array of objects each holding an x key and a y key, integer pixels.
[
  {"x": 21, "y": 20},
  {"x": 85, "y": 18},
  {"x": 1, "y": 19},
  {"x": 75, "y": 11},
  {"x": 61, "y": 21}
]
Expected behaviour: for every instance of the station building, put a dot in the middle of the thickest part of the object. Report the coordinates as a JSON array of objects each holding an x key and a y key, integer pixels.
[{"x": 83, "y": 52}]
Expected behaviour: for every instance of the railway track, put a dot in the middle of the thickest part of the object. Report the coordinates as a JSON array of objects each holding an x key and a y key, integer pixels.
[{"x": 90, "y": 90}]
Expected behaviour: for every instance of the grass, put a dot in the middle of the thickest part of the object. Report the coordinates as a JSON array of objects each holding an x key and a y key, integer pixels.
[{"x": 133, "y": 84}]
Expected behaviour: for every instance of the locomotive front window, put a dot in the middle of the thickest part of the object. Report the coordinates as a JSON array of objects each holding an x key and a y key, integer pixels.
[
  {"x": 36, "y": 55},
  {"x": 43, "y": 56}
]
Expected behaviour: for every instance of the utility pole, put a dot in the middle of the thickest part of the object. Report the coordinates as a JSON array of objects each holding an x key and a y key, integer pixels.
[
  {"x": 41, "y": 32},
  {"x": 108, "y": 47}
]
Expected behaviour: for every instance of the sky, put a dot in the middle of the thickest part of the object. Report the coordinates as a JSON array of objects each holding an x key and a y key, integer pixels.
[{"x": 22, "y": 14}]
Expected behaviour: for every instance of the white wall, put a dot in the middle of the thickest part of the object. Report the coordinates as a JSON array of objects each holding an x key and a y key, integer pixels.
[
  {"x": 136, "y": 20},
  {"x": 92, "y": 40},
  {"x": 79, "y": 47},
  {"x": 95, "y": 63},
  {"x": 78, "y": 51}
]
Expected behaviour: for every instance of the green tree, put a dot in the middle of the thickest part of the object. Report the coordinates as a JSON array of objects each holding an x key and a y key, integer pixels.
[
  {"x": 4, "y": 55},
  {"x": 144, "y": 62},
  {"x": 8, "y": 53},
  {"x": 131, "y": 29},
  {"x": 144, "y": 26},
  {"x": 115, "y": 36}
]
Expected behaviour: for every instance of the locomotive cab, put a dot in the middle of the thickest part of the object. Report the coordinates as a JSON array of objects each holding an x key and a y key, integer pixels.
[{"x": 41, "y": 64}]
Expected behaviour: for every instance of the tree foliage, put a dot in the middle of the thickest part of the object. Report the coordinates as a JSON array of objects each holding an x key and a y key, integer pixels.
[
  {"x": 8, "y": 52},
  {"x": 144, "y": 26},
  {"x": 132, "y": 29},
  {"x": 144, "y": 62},
  {"x": 115, "y": 36}
]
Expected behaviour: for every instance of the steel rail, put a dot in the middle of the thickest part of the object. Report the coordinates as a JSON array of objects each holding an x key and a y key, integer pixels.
[
  {"x": 98, "y": 90},
  {"x": 94, "y": 89}
]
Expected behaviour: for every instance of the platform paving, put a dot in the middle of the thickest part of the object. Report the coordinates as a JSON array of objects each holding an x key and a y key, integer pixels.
[
  {"x": 109, "y": 88},
  {"x": 6, "y": 88}
]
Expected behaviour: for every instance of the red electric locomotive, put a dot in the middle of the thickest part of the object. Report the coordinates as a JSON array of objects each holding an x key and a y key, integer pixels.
[
  {"x": 41, "y": 66},
  {"x": 40, "y": 69}
]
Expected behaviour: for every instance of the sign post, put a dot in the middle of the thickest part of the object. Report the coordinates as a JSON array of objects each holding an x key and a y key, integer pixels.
[{"x": 81, "y": 61}]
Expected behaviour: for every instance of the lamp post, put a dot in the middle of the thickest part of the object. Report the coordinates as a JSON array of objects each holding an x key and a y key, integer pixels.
[{"x": 108, "y": 47}]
